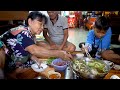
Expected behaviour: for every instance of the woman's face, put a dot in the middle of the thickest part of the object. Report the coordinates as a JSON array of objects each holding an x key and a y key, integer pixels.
[
  {"x": 35, "y": 26},
  {"x": 99, "y": 33}
]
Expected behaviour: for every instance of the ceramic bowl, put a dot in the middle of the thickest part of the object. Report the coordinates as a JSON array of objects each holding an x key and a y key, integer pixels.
[
  {"x": 36, "y": 69},
  {"x": 59, "y": 64}
]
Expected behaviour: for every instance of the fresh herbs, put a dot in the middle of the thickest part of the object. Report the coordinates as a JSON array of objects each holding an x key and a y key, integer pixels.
[{"x": 49, "y": 61}]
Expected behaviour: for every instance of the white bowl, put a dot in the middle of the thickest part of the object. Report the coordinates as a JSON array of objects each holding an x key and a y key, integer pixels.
[{"x": 36, "y": 69}]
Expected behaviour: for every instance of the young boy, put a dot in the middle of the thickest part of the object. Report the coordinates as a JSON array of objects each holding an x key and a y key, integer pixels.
[{"x": 99, "y": 39}]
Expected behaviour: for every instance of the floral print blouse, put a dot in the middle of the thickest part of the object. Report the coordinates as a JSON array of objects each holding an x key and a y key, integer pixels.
[{"x": 16, "y": 43}]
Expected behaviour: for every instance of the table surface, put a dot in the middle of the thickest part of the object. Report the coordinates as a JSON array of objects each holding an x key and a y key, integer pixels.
[
  {"x": 112, "y": 72},
  {"x": 30, "y": 74}
]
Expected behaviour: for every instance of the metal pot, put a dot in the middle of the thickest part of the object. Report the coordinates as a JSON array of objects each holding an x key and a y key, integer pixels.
[{"x": 87, "y": 72}]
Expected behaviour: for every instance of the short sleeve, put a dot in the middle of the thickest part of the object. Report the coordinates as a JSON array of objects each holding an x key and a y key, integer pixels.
[
  {"x": 89, "y": 41},
  {"x": 27, "y": 39},
  {"x": 90, "y": 37}
]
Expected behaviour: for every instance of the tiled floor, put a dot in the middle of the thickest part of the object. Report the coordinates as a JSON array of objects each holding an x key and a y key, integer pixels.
[{"x": 77, "y": 35}]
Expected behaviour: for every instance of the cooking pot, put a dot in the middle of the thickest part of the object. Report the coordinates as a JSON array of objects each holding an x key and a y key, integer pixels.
[{"x": 89, "y": 68}]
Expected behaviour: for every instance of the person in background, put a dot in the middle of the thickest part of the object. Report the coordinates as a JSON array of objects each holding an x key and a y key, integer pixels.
[
  {"x": 21, "y": 45},
  {"x": 56, "y": 33},
  {"x": 98, "y": 39},
  {"x": 81, "y": 22},
  {"x": 2, "y": 60},
  {"x": 85, "y": 20},
  {"x": 112, "y": 54}
]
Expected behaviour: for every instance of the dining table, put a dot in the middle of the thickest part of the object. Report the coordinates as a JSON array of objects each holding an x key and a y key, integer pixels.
[{"x": 29, "y": 73}]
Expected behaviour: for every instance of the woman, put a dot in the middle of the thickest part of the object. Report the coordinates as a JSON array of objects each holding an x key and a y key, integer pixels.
[{"x": 21, "y": 45}]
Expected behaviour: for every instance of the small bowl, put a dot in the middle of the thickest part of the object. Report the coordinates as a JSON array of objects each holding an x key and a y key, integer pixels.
[
  {"x": 36, "y": 69},
  {"x": 54, "y": 75},
  {"x": 59, "y": 64}
]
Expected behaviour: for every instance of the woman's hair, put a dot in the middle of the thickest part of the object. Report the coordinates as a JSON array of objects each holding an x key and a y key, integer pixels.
[
  {"x": 102, "y": 23},
  {"x": 36, "y": 15}
]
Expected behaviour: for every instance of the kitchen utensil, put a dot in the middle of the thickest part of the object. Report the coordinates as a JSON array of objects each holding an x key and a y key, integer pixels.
[{"x": 37, "y": 69}]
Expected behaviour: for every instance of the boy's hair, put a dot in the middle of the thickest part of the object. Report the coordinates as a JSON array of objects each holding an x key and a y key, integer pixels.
[
  {"x": 36, "y": 15},
  {"x": 102, "y": 23}
]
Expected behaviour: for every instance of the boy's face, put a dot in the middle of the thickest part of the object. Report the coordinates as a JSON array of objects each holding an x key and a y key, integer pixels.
[{"x": 99, "y": 33}]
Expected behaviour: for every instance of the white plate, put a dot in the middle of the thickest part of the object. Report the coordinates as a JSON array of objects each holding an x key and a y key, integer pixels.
[{"x": 36, "y": 69}]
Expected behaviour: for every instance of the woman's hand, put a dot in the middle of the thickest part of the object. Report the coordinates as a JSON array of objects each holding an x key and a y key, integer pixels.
[{"x": 66, "y": 56}]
